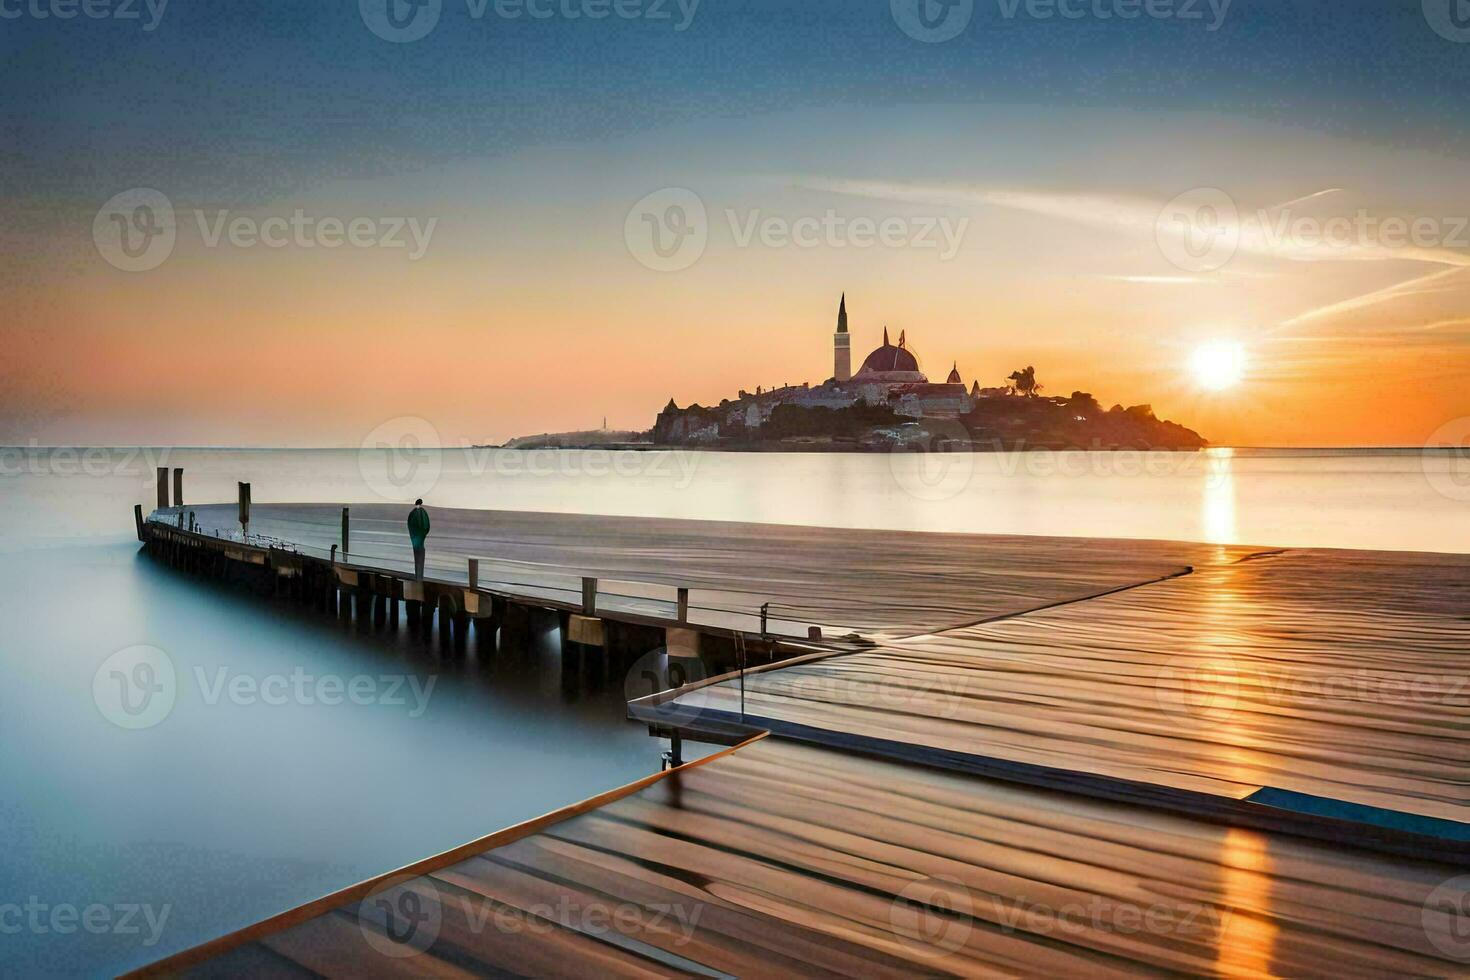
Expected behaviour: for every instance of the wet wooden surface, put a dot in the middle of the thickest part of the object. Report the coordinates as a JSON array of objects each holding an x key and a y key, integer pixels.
[
  {"x": 784, "y": 860},
  {"x": 878, "y": 583},
  {"x": 1344, "y": 675}
]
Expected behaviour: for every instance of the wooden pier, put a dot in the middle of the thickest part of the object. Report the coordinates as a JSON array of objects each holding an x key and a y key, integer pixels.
[
  {"x": 779, "y": 859},
  {"x": 954, "y": 755}
]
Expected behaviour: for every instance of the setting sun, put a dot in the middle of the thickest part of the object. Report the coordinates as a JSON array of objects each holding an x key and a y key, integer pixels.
[{"x": 1218, "y": 365}]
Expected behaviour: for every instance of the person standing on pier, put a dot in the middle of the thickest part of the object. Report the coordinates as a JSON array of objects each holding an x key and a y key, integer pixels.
[{"x": 418, "y": 532}]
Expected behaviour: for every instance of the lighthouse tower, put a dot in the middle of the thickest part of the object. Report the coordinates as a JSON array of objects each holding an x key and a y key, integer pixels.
[{"x": 842, "y": 347}]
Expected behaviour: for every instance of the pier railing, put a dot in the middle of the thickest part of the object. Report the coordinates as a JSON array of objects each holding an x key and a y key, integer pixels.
[{"x": 574, "y": 587}]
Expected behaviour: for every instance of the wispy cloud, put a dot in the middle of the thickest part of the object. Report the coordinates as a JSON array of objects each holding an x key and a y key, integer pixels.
[
  {"x": 1433, "y": 283},
  {"x": 1267, "y": 232}
]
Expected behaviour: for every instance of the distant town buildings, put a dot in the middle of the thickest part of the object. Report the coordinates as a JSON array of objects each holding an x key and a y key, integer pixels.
[{"x": 889, "y": 376}]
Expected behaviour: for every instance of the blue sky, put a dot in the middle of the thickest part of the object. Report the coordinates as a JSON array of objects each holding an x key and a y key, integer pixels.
[
  {"x": 235, "y": 99},
  {"x": 1053, "y": 142}
]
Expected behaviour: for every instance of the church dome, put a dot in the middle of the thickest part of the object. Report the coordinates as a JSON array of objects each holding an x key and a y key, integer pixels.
[
  {"x": 894, "y": 365},
  {"x": 889, "y": 358}
]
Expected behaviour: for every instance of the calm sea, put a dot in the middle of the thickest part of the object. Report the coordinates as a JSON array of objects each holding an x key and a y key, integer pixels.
[{"x": 298, "y": 757}]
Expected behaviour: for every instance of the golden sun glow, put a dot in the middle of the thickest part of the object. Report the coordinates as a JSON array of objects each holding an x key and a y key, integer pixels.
[{"x": 1218, "y": 365}]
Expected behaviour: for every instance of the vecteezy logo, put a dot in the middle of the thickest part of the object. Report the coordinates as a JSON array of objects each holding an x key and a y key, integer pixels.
[
  {"x": 933, "y": 916},
  {"x": 1449, "y": 18},
  {"x": 401, "y": 459},
  {"x": 1199, "y": 231},
  {"x": 1446, "y": 460},
  {"x": 135, "y": 231},
  {"x": 934, "y": 464},
  {"x": 667, "y": 231},
  {"x": 136, "y": 687},
  {"x": 668, "y": 670},
  {"x": 932, "y": 21},
  {"x": 1208, "y": 690},
  {"x": 1446, "y": 918},
  {"x": 400, "y": 21},
  {"x": 402, "y": 916}
]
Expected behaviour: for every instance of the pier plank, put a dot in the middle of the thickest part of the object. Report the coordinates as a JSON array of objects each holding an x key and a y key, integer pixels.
[
  {"x": 781, "y": 859},
  {"x": 877, "y": 583},
  {"x": 1343, "y": 675}
]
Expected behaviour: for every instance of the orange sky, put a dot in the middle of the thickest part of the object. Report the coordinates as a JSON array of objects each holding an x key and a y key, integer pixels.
[{"x": 529, "y": 312}]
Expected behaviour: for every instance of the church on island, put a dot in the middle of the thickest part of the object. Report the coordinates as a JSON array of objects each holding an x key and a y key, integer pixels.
[{"x": 889, "y": 376}]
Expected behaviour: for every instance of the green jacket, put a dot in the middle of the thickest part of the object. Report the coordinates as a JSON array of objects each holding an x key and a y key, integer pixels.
[{"x": 418, "y": 526}]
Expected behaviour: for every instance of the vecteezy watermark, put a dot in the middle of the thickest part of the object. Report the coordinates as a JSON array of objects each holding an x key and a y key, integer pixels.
[
  {"x": 935, "y": 21},
  {"x": 1202, "y": 230},
  {"x": 932, "y": 460},
  {"x": 135, "y": 687},
  {"x": 403, "y": 916},
  {"x": 40, "y": 918},
  {"x": 1446, "y": 918},
  {"x": 937, "y": 696},
  {"x": 1450, "y": 19},
  {"x": 401, "y": 459},
  {"x": 833, "y": 230},
  {"x": 68, "y": 461},
  {"x": 405, "y": 21},
  {"x": 136, "y": 231},
  {"x": 1446, "y": 459},
  {"x": 1214, "y": 686},
  {"x": 666, "y": 671},
  {"x": 592, "y": 463},
  {"x": 932, "y": 21},
  {"x": 669, "y": 230},
  {"x": 933, "y": 916},
  {"x": 303, "y": 688},
  {"x": 138, "y": 688},
  {"x": 148, "y": 13},
  {"x": 1097, "y": 914}
]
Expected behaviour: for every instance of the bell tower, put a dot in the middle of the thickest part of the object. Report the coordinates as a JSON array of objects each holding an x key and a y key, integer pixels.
[{"x": 842, "y": 347}]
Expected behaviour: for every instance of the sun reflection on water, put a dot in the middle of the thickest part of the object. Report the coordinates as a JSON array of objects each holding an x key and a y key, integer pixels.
[{"x": 1218, "y": 501}]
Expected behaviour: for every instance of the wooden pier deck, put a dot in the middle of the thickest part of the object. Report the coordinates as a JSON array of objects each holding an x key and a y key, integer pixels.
[
  {"x": 877, "y": 583},
  {"x": 1049, "y": 757},
  {"x": 1340, "y": 676},
  {"x": 778, "y": 859}
]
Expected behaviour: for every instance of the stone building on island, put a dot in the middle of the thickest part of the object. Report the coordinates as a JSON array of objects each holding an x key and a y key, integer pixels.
[{"x": 890, "y": 376}]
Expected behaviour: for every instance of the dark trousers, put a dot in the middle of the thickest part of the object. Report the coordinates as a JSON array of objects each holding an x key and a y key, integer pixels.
[{"x": 418, "y": 562}]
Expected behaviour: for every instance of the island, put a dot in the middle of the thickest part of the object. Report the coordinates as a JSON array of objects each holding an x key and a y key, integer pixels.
[{"x": 888, "y": 405}]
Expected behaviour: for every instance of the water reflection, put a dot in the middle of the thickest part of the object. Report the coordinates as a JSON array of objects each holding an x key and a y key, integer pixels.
[
  {"x": 1218, "y": 510},
  {"x": 1247, "y": 941}
]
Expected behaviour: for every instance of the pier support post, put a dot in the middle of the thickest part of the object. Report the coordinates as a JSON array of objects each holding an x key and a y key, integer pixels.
[
  {"x": 244, "y": 490},
  {"x": 589, "y": 597},
  {"x": 163, "y": 488},
  {"x": 515, "y": 627},
  {"x": 683, "y": 605},
  {"x": 461, "y": 631},
  {"x": 178, "y": 486},
  {"x": 345, "y": 538},
  {"x": 445, "y": 627},
  {"x": 474, "y": 573},
  {"x": 138, "y": 521}
]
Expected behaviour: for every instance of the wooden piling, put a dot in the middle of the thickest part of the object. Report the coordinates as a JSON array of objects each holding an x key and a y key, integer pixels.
[
  {"x": 163, "y": 488},
  {"x": 178, "y": 486},
  {"x": 138, "y": 522},
  {"x": 244, "y": 492}
]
